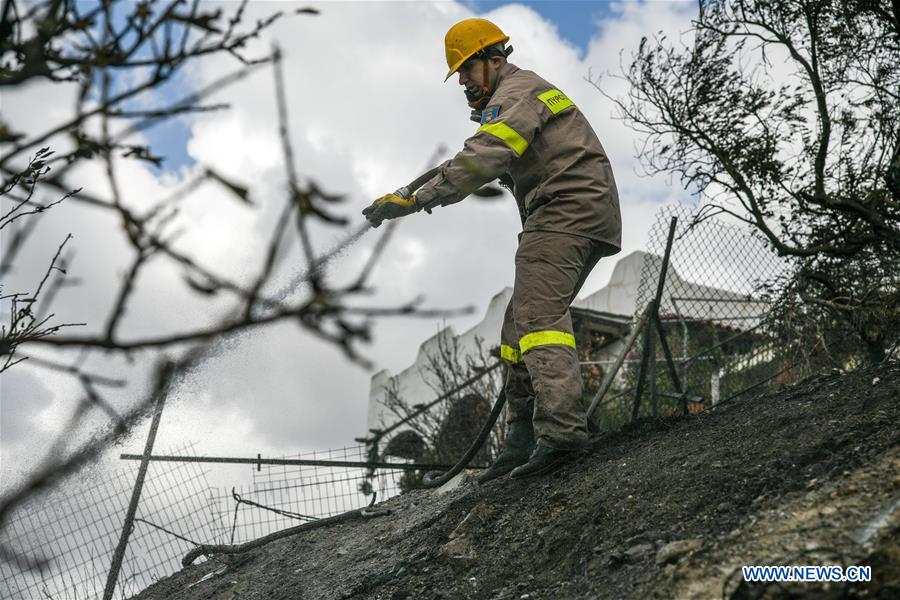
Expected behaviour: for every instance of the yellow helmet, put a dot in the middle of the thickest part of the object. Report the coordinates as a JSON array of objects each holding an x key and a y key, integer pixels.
[{"x": 467, "y": 38}]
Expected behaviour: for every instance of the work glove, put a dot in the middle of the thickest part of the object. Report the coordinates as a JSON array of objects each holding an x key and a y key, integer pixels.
[{"x": 390, "y": 206}]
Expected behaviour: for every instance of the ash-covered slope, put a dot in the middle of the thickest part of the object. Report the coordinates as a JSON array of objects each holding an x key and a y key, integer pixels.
[{"x": 667, "y": 508}]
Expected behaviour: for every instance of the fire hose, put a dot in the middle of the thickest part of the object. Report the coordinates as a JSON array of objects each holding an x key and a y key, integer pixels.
[
  {"x": 416, "y": 183},
  {"x": 434, "y": 479}
]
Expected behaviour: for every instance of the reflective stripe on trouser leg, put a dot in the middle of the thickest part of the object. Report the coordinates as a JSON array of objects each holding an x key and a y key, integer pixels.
[
  {"x": 550, "y": 268},
  {"x": 510, "y": 354},
  {"x": 519, "y": 391},
  {"x": 546, "y": 338}
]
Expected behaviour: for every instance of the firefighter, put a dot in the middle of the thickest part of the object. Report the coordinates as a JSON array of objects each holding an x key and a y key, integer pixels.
[{"x": 541, "y": 146}]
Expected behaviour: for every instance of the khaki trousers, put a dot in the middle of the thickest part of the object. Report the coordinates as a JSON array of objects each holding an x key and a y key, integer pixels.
[{"x": 543, "y": 381}]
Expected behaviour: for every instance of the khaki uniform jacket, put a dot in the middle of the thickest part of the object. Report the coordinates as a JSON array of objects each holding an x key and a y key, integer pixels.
[{"x": 562, "y": 179}]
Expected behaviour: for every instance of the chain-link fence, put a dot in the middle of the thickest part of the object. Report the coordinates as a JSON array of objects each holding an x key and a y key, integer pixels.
[
  {"x": 719, "y": 337},
  {"x": 76, "y": 528},
  {"x": 716, "y": 318}
]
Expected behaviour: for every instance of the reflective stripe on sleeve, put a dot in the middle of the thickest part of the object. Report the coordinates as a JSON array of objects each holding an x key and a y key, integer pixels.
[
  {"x": 546, "y": 338},
  {"x": 508, "y": 135},
  {"x": 509, "y": 353},
  {"x": 555, "y": 100}
]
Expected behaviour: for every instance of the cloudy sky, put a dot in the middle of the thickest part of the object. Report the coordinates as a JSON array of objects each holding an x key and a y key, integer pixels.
[{"x": 368, "y": 107}]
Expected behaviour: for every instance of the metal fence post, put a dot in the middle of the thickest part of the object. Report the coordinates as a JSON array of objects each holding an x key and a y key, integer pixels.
[
  {"x": 116, "y": 564},
  {"x": 647, "y": 348},
  {"x": 649, "y": 342},
  {"x": 652, "y": 370}
]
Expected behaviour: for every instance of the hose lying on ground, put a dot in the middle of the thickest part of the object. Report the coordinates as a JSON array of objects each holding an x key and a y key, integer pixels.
[
  {"x": 433, "y": 479},
  {"x": 352, "y": 515}
]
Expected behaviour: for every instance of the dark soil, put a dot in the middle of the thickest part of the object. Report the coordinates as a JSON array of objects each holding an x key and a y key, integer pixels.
[{"x": 665, "y": 508}]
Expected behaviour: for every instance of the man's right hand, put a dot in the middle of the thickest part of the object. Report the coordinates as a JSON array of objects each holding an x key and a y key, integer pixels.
[{"x": 390, "y": 206}]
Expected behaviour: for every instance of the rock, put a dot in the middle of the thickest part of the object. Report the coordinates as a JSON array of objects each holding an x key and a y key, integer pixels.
[
  {"x": 457, "y": 546},
  {"x": 613, "y": 560},
  {"x": 641, "y": 537},
  {"x": 644, "y": 536},
  {"x": 453, "y": 484},
  {"x": 472, "y": 521},
  {"x": 557, "y": 496},
  {"x": 638, "y": 551},
  {"x": 674, "y": 551},
  {"x": 459, "y": 554}
]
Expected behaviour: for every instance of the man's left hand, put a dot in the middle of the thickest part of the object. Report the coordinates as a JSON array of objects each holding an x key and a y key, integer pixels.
[{"x": 390, "y": 206}]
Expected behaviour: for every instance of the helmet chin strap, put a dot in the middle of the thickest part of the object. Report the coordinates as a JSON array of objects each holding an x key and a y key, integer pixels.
[{"x": 481, "y": 101}]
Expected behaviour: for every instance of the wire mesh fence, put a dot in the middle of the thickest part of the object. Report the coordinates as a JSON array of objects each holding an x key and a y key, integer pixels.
[
  {"x": 716, "y": 316},
  {"x": 281, "y": 496},
  {"x": 76, "y": 528}
]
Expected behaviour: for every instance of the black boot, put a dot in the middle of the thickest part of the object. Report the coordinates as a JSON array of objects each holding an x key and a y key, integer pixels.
[
  {"x": 543, "y": 460},
  {"x": 519, "y": 444}
]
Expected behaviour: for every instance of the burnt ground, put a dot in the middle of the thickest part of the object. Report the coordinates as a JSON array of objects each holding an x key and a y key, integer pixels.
[{"x": 666, "y": 508}]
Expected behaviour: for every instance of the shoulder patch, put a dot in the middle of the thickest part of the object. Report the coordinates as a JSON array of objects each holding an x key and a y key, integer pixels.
[
  {"x": 555, "y": 100},
  {"x": 489, "y": 114}
]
